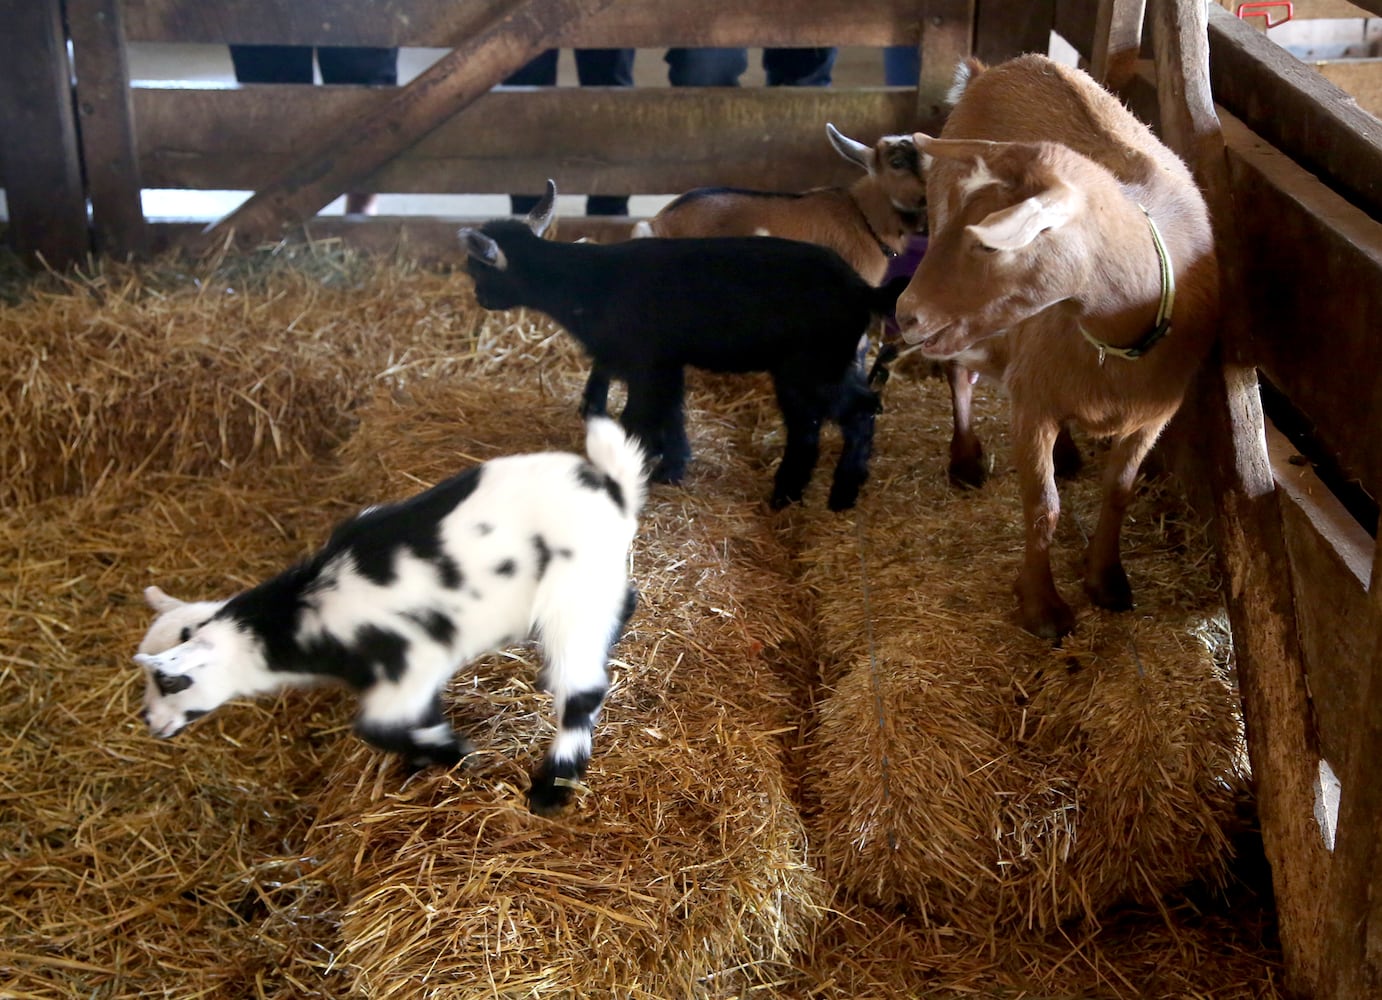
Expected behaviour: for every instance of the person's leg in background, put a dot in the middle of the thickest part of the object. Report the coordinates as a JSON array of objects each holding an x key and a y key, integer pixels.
[
  {"x": 541, "y": 72},
  {"x": 798, "y": 67},
  {"x": 605, "y": 68},
  {"x": 901, "y": 65},
  {"x": 372, "y": 67},
  {"x": 706, "y": 67},
  {"x": 272, "y": 63}
]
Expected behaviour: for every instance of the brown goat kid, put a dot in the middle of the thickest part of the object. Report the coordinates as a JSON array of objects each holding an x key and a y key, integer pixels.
[
  {"x": 1062, "y": 233},
  {"x": 866, "y": 223}
]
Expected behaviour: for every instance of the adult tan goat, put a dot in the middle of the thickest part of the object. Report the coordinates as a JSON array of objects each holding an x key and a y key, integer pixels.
[{"x": 1071, "y": 257}]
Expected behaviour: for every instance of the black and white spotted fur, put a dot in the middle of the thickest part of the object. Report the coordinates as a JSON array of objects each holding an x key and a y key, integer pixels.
[{"x": 403, "y": 594}]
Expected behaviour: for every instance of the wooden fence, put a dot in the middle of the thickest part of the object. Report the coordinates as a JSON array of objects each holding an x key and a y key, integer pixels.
[{"x": 1292, "y": 167}]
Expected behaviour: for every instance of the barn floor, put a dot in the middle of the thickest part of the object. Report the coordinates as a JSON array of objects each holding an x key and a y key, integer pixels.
[{"x": 780, "y": 800}]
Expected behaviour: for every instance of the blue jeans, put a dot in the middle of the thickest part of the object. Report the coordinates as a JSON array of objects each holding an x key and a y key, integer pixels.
[{"x": 706, "y": 67}]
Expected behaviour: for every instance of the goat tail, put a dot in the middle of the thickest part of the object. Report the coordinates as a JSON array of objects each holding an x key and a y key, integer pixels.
[
  {"x": 620, "y": 457},
  {"x": 965, "y": 72}
]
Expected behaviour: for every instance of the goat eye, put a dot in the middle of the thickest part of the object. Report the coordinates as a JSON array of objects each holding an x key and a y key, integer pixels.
[
  {"x": 185, "y": 634},
  {"x": 168, "y": 684}
]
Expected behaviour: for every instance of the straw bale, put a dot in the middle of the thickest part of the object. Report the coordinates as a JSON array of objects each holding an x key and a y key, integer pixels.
[
  {"x": 685, "y": 861},
  {"x": 989, "y": 779},
  {"x": 266, "y": 852}
]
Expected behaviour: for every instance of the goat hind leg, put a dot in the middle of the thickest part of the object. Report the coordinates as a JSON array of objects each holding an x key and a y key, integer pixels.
[
  {"x": 1105, "y": 580},
  {"x": 967, "y": 465},
  {"x": 1042, "y": 610}
]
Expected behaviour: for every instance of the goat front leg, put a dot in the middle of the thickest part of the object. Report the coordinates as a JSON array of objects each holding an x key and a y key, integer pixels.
[
  {"x": 857, "y": 412},
  {"x": 802, "y": 412},
  {"x": 654, "y": 414},
  {"x": 967, "y": 466},
  {"x": 1105, "y": 580},
  {"x": 1041, "y": 609},
  {"x": 576, "y": 655}
]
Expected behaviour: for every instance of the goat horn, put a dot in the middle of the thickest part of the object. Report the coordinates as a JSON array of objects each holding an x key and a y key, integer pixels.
[
  {"x": 851, "y": 149},
  {"x": 543, "y": 212}
]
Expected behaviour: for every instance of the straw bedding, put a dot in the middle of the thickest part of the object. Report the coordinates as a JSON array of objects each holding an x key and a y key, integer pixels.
[{"x": 1043, "y": 807}]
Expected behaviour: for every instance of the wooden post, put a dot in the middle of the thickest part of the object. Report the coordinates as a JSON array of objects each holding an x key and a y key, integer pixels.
[
  {"x": 1228, "y": 412},
  {"x": 40, "y": 166},
  {"x": 1117, "y": 41},
  {"x": 106, "y": 126},
  {"x": 1004, "y": 29},
  {"x": 1351, "y": 965},
  {"x": 342, "y": 154},
  {"x": 947, "y": 36}
]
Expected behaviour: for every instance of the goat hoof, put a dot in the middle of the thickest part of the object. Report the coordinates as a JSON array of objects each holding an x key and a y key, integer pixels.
[
  {"x": 968, "y": 473},
  {"x": 780, "y": 500},
  {"x": 843, "y": 498},
  {"x": 1049, "y": 621},
  {"x": 1110, "y": 590},
  {"x": 671, "y": 475},
  {"x": 550, "y": 791}
]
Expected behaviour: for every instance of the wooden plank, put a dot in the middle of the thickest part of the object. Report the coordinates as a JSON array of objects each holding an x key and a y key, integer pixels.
[
  {"x": 40, "y": 167},
  {"x": 1227, "y": 408},
  {"x": 1004, "y": 29},
  {"x": 429, "y": 239},
  {"x": 341, "y": 153},
  {"x": 1331, "y": 557},
  {"x": 107, "y": 131},
  {"x": 1362, "y": 78},
  {"x": 947, "y": 36},
  {"x": 1305, "y": 239},
  {"x": 1075, "y": 22},
  {"x": 1117, "y": 41},
  {"x": 436, "y": 23},
  {"x": 644, "y": 140},
  {"x": 1352, "y": 962},
  {"x": 1295, "y": 109}
]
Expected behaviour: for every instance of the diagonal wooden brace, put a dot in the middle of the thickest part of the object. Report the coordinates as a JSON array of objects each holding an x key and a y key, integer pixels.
[{"x": 339, "y": 155}]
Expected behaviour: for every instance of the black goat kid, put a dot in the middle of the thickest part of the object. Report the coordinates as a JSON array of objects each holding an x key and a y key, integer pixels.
[{"x": 645, "y": 309}]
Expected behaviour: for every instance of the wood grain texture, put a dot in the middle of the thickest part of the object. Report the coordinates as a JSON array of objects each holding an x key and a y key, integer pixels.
[
  {"x": 651, "y": 141},
  {"x": 106, "y": 127},
  {"x": 440, "y": 23},
  {"x": 40, "y": 165},
  {"x": 1226, "y": 407}
]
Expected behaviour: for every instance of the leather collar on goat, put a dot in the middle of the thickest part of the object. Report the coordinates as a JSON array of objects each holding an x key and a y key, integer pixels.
[
  {"x": 1163, "y": 310},
  {"x": 888, "y": 251}
]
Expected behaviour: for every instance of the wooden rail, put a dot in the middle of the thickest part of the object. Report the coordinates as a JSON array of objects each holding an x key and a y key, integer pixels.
[{"x": 1293, "y": 169}]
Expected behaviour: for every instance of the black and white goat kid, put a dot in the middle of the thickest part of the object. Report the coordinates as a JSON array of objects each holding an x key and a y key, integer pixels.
[
  {"x": 402, "y": 595},
  {"x": 646, "y": 308}
]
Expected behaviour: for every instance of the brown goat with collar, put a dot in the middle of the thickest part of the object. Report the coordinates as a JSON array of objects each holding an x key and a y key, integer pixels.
[{"x": 1061, "y": 229}]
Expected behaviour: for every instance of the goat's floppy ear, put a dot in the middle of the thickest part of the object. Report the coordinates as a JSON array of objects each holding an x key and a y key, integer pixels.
[
  {"x": 851, "y": 149},
  {"x": 482, "y": 248},
  {"x": 544, "y": 211},
  {"x": 160, "y": 601},
  {"x": 181, "y": 659},
  {"x": 1016, "y": 226},
  {"x": 955, "y": 149}
]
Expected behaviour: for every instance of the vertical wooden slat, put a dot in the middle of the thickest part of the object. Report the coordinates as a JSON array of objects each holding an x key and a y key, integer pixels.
[
  {"x": 1004, "y": 29},
  {"x": 947, "y": 36},
  {"x": 106, "y": 126},
  {"x": 342, "y": 154},
  {"x": 1351, "y": 965},
  {"x": 1228, "y": 413},
  {"x": 1117, "y": 41},
  {"x": 40, "y": 167}
]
